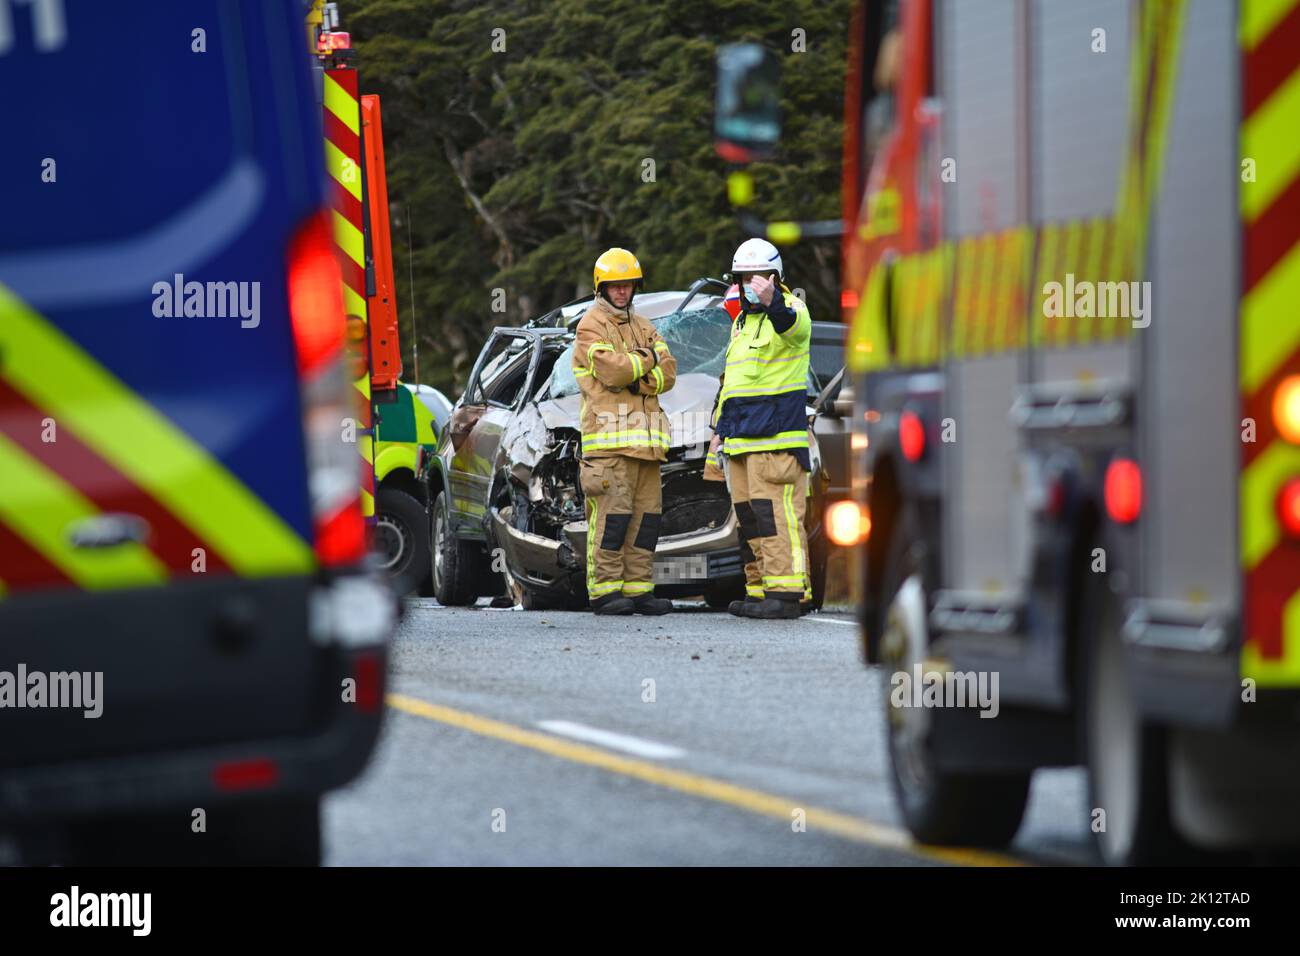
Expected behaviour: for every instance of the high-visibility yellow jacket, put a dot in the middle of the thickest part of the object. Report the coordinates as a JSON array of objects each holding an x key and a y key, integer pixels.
[
  {"x": 622, "y": 366},
  {"x": 761, "y": 405}
]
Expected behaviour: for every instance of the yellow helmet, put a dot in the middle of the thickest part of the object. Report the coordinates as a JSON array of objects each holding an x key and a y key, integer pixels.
[{"x": 616, "y": 265}]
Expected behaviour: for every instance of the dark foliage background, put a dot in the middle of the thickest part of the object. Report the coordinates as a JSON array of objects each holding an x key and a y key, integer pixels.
[{"x": 513, "y": 170}]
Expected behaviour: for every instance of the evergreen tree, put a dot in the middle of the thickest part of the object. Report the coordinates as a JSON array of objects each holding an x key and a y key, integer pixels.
[{"x": 521, "y": 138}]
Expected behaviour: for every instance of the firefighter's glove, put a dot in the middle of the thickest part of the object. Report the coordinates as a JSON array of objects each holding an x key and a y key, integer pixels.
[{"x": 713, "y": 463}]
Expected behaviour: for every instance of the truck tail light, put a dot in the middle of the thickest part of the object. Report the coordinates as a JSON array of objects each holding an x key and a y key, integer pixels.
[
  {"x": 911, "y": 435},
  {"x": 1288, "y": 507},
  {"x": 1286, "y": 409},
  {"x": 1123, "y": 490}
]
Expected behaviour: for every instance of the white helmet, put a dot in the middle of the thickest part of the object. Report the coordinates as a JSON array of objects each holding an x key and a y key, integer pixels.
[{"x": 757, "y": 255}]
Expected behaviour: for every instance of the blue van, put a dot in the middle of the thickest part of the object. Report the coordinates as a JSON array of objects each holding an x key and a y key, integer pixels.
[{"x": 192, "y": 646}]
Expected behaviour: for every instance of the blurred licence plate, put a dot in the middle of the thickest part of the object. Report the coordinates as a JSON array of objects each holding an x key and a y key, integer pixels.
[{"x": 673, "y": 570}]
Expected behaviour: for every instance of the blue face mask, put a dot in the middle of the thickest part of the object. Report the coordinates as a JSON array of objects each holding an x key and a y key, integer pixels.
[{"x": 751, "y": 296}]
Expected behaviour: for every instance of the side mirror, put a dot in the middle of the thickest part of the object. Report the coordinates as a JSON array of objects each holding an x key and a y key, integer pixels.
[{"x": 747, "y": 106}]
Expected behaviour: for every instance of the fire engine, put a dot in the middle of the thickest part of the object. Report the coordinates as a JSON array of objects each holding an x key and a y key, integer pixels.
[
  {"x": 1071, "y": 257},
  {"x": 391, "y": 426}
]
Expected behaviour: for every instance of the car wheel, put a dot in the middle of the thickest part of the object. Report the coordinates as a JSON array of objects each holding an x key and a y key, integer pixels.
[
  {"x": 452, "y": 560},
  {"x": 938, "y": 806},
  {"x": 533, "y": 600},
  {"x": 720, "y": 597},
  {"x": 819, "y": 554},
  {"x": 399, "y": 539}
]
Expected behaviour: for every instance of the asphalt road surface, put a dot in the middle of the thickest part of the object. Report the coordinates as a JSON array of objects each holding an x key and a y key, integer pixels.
[{"x": 554, "y": 738}]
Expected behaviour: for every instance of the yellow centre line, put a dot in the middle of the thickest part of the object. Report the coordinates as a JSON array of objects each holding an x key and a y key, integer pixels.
[{"x": 755, "y": 801}]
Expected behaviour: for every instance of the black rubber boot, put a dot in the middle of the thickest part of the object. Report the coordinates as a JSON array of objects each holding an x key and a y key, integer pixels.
[
  {"x": 649, "y": 604},
  {"x": 612, "y": 604},
  {"x": 772, "y": 609},
  {"x": 738, "y": 607}
]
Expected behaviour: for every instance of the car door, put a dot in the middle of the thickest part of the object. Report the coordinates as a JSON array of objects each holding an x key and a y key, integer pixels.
[
  {"x": 496, "y": 388},
  {"x": 833, "y": 431}
]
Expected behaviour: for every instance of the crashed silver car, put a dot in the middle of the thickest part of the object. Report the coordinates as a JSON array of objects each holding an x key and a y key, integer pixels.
[{"x": 506, "y": 512}]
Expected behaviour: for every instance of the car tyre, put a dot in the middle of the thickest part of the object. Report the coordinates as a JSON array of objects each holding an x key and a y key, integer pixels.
[
  {"x": 453, "y": 560},
  {"x": 720, "y": 597},
  {"x": 819, "y": 554},
  {"x": 534, "y": 600}
]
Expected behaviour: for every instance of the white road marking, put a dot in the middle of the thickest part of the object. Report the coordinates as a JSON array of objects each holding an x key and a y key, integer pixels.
[
  {"x": 633, "y": 745},
  {"x": 827, "y": 620}
]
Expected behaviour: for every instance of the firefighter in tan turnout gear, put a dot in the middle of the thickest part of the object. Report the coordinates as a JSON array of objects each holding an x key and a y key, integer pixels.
[{"x": 622, "y": 366}]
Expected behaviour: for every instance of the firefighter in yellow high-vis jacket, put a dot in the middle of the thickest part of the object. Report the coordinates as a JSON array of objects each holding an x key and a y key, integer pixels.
[
  {"x": 762, "y": 425},
  {"x": 622, "y": 366}
]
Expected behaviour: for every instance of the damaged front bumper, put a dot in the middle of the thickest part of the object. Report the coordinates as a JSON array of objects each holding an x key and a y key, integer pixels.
[{"x": 686, "y": 564}]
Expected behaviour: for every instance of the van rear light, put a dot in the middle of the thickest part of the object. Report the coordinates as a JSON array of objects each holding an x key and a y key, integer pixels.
[
  {"x": 1123, "y": 490},
  {"x": 315, "y": 295},
  {"x": 334, "y": 466},
  {"x": 330, "y": 429},
  {"x": 245, "y": 775},
  {"x": 341, "y": 537},
  {"x": 1288, "y": 507},
  {"x": 370, "y": 678}
]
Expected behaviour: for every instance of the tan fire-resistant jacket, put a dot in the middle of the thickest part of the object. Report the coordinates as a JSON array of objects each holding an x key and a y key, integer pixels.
[{"x": 622, "y": 366}]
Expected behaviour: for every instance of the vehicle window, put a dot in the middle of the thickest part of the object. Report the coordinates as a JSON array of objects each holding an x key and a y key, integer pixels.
[
  {"x": 697, "y": 338},
  {"x": 506, "y": 387},
  {"x": 814, "y": 387},
  {"x": 563, "y": 381},
  {"x": 503, "y": 372},
  {"x": 827, "y": 349}
]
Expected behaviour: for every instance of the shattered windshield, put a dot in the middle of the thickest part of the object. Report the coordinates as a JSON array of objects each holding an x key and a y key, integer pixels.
[{"x": 697, "y": 339}]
